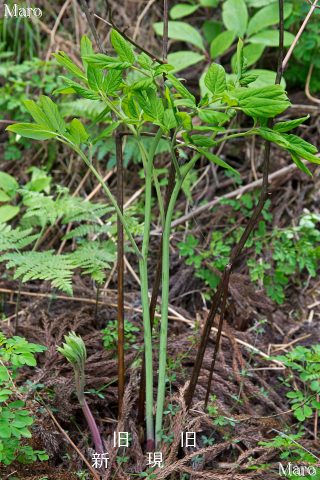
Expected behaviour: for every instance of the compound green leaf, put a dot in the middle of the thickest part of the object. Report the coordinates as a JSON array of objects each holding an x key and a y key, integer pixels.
[{"x": 262, "y": 102}]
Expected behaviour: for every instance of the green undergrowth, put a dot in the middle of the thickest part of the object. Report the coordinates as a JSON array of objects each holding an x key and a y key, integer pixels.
[{"x": 279, "y": 257}]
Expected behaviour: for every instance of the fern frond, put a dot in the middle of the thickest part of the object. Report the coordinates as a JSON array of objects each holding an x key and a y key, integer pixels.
[
  {"x": 82, "y": 211},
  {"x": 87, "y": 229},
  {"x": 43, "y": 207},
  {"x": 57, "y": 269},
  {"x": 83, "y": 108},
  {"x": 70, "y": 209},
  {"x": 94, "y": 258},
  {"x": 15, "y": 239}
]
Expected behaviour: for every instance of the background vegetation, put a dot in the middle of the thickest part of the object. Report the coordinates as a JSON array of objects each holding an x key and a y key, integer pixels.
[{"x": 59, "y": 234}]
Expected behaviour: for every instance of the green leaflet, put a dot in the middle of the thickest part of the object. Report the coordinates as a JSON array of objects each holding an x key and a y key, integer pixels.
[
  {"x": 290, "y": 125},
  {"x": 202, "y": 140},
  {"x": 182, "y": 10},
  {"x": 36, "y": 113},
  {"x": 77, "y": 88},
  {"x": 215, "y": 159},
  {"x": 8, "y": 183},
  {"x": 180, "y": 88},
  {"x": 265, "y": 102},
  {"x": 51, "y": 111},
  {"x": 270, "y": 38},
  {"x": 122, "y": 47},
  {"x": 104, "y": 61},
  {"x": 78, "y": 132},
  {"x": 7, "y": 212},
  {"x": 63, "y": 59},
  {"x": 299, "y": 148},
  {"x": 210, "y": 116},
  {"x": 300, "y": 164},
  {"x": 46, "y": 114},
  {"x": 251, "y": 53},
  {"x": 221, "y": 43},
  {"x": 215, "y": 79},
  {"x": 184, "y": 59},
  {"x": 85, "y": 48},
  {"x": 150, "y": 104},
  {"x": 235, "y": 16},
  {"x": 267, "y": 16},
  {"x": 181, "y": 31},
  {"x": 107, "y": 132},
  {"x": 302, "y": 148},
  {"x": 95, "y": 78},
  {"x": 112, "y": 81},
  {"x": 272, "y": 136},
  {"x": 29, "y": 130}
]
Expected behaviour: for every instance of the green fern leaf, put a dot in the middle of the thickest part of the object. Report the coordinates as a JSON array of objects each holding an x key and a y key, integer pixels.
[
  {"x": 87, "y": 229},
  {"x": 94, "y": 258},
  {"x": 15, "y": 239},
  {"x": 57, "y": 269}
]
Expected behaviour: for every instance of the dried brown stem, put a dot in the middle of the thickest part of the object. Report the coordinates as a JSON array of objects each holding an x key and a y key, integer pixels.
[
  {"x": 120, "y": 271},
  {"x": 91, "y": 24},
  {"x": 297, "y": 37},
  {"x": 111, "y": 23},
  {"x": 165, "y": 30},
  {"x": 220, "y": 296}
]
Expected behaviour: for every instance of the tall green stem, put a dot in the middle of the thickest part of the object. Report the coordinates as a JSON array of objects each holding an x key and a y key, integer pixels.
[
  {"x": 109, "y": 195},
  {"x": 148, "y": 158},
  {"x": 165, "y": 298}
]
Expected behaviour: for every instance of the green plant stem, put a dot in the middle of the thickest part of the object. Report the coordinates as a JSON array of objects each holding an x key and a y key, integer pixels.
[
  {"x": 165, "y": 297},
  {"x": 109, "y": 195},
  {"x": 159, "y": 197},
  {"x": 148, "y": 158}
]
